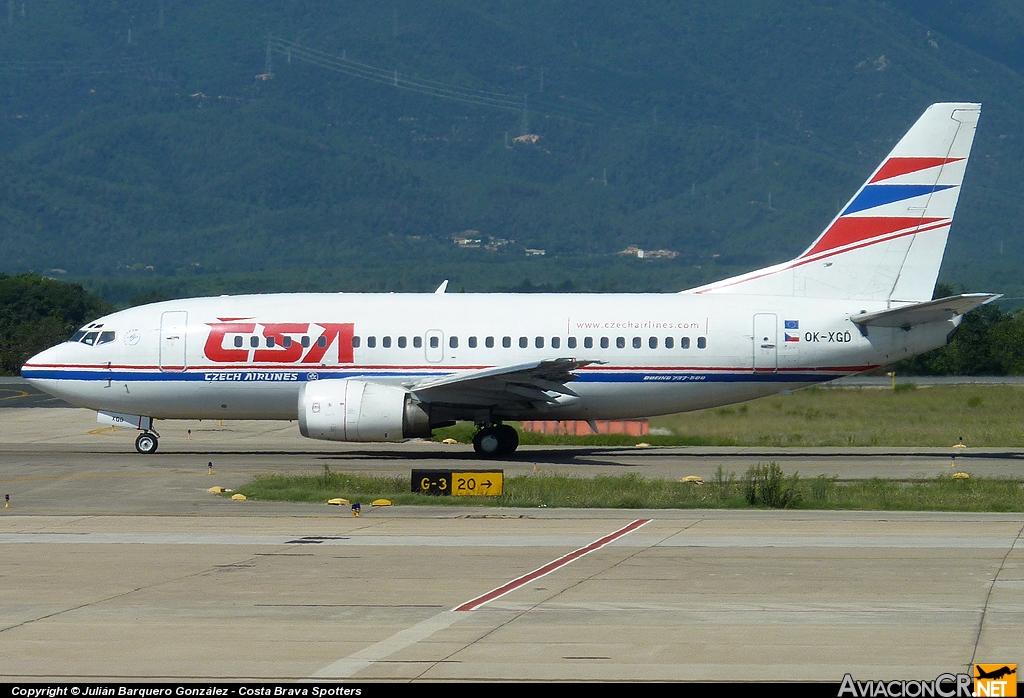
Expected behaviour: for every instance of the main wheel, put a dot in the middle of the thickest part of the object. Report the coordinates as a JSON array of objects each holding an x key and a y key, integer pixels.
[
  {"x": 496, "y": 441},
  {"x": 488, "y": 442},
  {"x": 146, "y": 443},
  {"x": 509, "y": 438}
]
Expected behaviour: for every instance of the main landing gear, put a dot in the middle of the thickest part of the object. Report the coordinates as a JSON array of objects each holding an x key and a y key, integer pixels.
[
  {"x": 147, "y": 442},
  {"x": 498, "y": 440}
]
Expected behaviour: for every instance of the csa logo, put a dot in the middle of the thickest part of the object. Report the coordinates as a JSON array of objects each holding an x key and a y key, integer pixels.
[
  {"x": 284, "y": 342},
  {"x": 995, "y": 680}
]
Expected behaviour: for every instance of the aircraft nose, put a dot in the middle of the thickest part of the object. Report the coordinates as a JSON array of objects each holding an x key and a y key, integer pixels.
[{"x": 35, "y": 368}]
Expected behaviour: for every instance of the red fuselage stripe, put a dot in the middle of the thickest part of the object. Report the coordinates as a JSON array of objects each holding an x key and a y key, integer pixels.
[{"x": 445, "y": 369}]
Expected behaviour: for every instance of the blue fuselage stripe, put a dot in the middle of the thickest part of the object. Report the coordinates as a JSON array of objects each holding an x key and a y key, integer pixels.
[{"x": 653, "y": 377}]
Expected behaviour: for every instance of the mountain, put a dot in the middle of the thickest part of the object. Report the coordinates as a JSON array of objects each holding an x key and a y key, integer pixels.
[{"x": 201, "y": 147}]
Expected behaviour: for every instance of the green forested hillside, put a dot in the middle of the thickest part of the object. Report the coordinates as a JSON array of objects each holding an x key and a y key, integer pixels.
[
  {"x": 36, "y": 313},
  {"x": 141, "y": 150}
]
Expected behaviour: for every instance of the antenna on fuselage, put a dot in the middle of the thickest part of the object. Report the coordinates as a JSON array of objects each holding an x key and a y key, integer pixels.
[{"x": 442, "y": 287}]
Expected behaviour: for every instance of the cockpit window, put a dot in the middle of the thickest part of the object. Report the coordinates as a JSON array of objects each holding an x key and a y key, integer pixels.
[{"x": 92, "y": 336}]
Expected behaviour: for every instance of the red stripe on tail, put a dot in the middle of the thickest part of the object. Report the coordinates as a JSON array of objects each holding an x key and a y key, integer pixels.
[
  {"x": 894, "y": 167},
  {"x": 851, "y": 229}
]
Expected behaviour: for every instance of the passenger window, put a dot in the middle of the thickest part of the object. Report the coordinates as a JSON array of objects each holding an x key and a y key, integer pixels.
[
  {"x": 254, "y": 342},
  {"x": 321, "y": 342},
  {"x": 270, "y": 341},
  {"x": 555, "y": 342},
  {"x": 652, "y": 342},
  {"x": 453, "y": 342},
  {"x": 539, "y": 342},
  {"x": 669, "y": 342},
  {"x": 355, "y": 341},
  {"x": 105, "y": 338},
  {"x": 402, "y": 342},
  {"x": 489, "y": 342},
  {"x": 702, "y": 342},
  {"x": 371, "y": 342},
  {"x": 684, "y": 343},
  {"x": 434, "y": 342},
  {"x": 417, "y": 342},
  {"x": 572, "y": 342},
  {"x": 286, "y": 342},
  {"x": 472, "y": 342},
  {"x": 385, "y": 342},
  {"x": 588, "y": 342},
  {"x": 620, "y": 342},
  {"x": 305, "y": 343},
  {"x": 524, "y": 342},
  {"x": 604, "y": 342},
  {"x": 637, "y": 342},
  {"x": 238, "y": 341},
  {"x": 506, "y": 342}
]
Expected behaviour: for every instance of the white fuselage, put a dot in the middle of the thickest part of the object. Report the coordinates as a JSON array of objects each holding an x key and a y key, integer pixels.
[{"x": 245, "y": 357}]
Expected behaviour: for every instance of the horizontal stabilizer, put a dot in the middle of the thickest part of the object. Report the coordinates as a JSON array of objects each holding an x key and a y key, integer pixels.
[{"x": 922, "y": 313}]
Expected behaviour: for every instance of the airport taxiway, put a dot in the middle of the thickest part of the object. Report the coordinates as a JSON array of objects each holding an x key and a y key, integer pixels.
[{"x": 120, "y": 566}]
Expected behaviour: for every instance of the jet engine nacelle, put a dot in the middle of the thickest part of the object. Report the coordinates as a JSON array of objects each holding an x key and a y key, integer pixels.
[{"x": 354, "y": 410}]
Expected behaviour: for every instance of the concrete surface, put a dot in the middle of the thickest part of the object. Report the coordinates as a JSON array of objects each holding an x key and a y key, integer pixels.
[{"x": 116, "y": 566}]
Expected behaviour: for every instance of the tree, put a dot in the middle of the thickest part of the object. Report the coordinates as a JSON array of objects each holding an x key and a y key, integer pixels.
[{"x": 36, "y": 313}]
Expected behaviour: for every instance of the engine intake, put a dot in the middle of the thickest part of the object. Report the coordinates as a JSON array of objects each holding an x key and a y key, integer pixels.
[{"x": 355, "y": 410}]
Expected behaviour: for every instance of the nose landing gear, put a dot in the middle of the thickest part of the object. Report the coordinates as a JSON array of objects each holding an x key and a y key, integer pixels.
[
  {"x": 498, "y": 440},
  {"x": 147, "y": 442}
]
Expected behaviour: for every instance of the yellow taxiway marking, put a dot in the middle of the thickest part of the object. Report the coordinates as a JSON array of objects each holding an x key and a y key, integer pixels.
[{"x": 21, "y": 393}]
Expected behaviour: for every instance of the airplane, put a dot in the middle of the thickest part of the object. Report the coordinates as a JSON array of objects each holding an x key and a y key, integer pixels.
[
  {"x": 995, "y": 673},
  {"x": 390, "y": 367}
]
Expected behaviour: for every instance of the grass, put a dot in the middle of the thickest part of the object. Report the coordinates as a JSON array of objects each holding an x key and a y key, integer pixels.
[
  {"x": 934, "y": 416},
  {"x": 989, "y": 415},
  {"x": 763, "y": 486}
]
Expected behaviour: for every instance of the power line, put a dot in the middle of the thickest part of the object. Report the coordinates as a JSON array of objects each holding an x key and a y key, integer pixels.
[{"x": 568, "y": 110}]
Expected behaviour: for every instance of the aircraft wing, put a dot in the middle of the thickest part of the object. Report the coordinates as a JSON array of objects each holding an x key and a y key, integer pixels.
[
  {"x": 923, "y": 313},
  {"x": 536, "y": 384}
]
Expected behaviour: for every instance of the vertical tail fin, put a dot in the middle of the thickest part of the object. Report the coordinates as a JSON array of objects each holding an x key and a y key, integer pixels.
[{"x": 887, "y": 242}]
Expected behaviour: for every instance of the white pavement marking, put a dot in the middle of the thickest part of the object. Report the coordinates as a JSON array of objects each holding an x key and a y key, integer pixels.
[{"x": 344, "y": 668}]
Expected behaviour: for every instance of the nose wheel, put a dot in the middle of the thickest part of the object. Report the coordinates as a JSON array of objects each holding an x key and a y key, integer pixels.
[
  {"x": 499, "y": 440},
  {"x": 146, "y": 443}
]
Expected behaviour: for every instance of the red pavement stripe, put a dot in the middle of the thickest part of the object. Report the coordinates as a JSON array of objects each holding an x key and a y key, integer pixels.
[{"x": 550, "y": 567}]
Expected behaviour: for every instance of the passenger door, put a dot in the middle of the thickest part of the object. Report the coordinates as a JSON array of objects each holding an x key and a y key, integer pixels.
[
  {"x": 173, "y": 330},
  {"x": 766, "y": 342}
]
